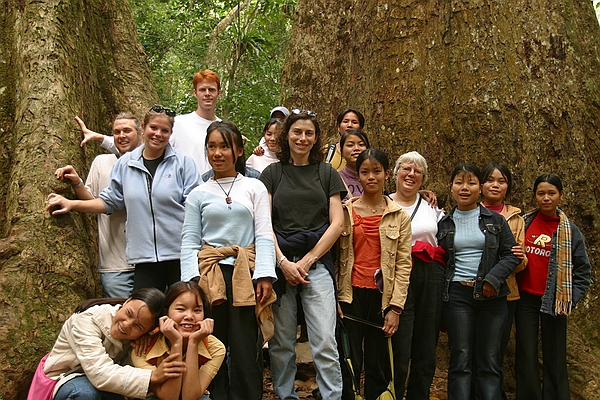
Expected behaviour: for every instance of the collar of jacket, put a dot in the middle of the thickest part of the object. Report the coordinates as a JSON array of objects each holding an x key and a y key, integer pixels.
[
  {"x": 136, "y": 154},
  {"x": 510, "y": 211}
]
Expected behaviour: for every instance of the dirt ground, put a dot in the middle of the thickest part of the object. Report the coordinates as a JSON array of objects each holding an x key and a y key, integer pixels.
[
  {"x": 305, "y": 378},
  {"x": 305, "y": 384}
]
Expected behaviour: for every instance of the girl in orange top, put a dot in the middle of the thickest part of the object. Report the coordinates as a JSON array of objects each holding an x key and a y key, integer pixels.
[{"x": 376, "y": 239}]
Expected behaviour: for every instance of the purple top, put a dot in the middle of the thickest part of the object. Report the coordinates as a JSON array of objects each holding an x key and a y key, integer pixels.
[{"x": 350, "y": 178}]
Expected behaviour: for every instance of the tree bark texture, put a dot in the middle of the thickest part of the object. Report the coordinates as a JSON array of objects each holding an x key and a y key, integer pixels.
[
  {"x": 467, "y": 81},
  {"x": 58, "y": 59}
]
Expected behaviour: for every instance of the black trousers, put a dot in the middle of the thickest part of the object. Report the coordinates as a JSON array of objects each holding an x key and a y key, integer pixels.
[
  {"x": 158, "y": 275},
  {"x": 368, "y": 345},
  {"x": 528, "y": 321},
  {"x": 241, "y": 374}
]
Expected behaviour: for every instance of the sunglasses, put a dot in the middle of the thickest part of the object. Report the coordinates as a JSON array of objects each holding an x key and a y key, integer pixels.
[
  {"x": 307, "y": 112},
  {"x": 160, "y": 109}
]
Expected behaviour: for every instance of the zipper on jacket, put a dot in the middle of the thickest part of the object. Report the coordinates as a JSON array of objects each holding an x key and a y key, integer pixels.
[{"x": 149, "y": 180}]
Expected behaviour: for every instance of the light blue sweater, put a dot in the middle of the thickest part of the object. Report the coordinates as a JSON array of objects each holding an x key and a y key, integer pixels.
[
  {"x": 469, "y": 242},
  {"x": 208, "y": 219}
]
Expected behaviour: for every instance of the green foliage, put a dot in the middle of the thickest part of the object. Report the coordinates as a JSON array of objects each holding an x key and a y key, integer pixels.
[{"x": 248, "y": 53}]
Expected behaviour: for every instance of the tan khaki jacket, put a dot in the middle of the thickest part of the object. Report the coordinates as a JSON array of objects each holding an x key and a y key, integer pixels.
[
  {"x": 395, "y": 236},
  {"x": 517, "y": 227}
]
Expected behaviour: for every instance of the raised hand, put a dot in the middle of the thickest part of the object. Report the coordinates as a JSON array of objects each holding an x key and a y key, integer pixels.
[
  {"x": 168, "y": 327},
  {"x": 206, "y": 327},
  {"x": 87, "y": 133}
]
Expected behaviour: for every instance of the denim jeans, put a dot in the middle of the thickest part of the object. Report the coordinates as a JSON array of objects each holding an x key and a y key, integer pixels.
[
  {"x": 474, "y": 326},
  {"x": 528, "y": 319},
  {"x": 82, "y": 389},
  {"x": 418, "y": 332},
  {"x": 117, "y": 284},
  {"x": 512, "y": 307},
  {"x": 366, "y": 342},
  {"x": 320, "y": 310}
]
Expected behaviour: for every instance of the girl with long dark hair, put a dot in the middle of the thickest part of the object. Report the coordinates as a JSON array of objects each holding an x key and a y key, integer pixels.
[{"x": 227, "y": 239}]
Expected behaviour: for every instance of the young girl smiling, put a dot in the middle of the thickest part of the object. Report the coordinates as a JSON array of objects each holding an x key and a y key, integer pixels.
[
  {"x": 556, "y": 278},
  {"x": 376, "y": 236},
  {"x": 227, "y": 233},
  {"x": 188, "y": 352},
  {"x": 352, "y": 143}
]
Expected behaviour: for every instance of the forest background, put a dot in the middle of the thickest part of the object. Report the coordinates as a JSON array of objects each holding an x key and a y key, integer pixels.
[{"x": 245, "y": 42}]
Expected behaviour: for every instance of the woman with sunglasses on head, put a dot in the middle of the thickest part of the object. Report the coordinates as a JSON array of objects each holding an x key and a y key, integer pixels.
[
  {"x": 307, "y": 220},
  {"x": 227, "y": 241},
  {"x": 95, "y": 340},
  {"x": 555, "y": 280},
  {"x": 478, "y": 245},
  {"x": 151, "y": 183}
]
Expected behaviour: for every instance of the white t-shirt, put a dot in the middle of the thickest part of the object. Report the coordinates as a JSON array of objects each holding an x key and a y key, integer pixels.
[
  {"x": 189, "y": 135},
  {"x": 111, "y": 228},
  {"x": 424, "y": 223},
  {"x": 261, "y": 162}
]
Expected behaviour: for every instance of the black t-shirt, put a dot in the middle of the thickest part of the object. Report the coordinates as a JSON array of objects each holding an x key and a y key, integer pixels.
[
  {"x": 300, "y": 202},
  {"x": 152, "y": 165}
]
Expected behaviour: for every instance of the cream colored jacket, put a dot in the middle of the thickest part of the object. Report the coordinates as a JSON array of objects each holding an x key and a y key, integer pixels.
[
  {"x": 86, "y": 347},
  {"x": 395, "y": 236}
]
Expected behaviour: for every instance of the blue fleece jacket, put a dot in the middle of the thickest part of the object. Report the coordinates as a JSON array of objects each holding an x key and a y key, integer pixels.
[{"x": 155, "y": 206}]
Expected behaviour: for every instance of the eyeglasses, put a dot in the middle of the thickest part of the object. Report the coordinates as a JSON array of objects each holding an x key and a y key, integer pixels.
[
  {"x": 408, "y": 170},
  {"x": 160, "y": 109},
  {"x": 307, "y": 112}
]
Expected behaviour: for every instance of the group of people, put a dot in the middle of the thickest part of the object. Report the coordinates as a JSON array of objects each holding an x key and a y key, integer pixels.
[{"x": 240, "y": 258}]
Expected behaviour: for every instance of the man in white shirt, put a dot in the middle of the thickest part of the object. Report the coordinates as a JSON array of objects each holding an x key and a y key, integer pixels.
[
  {"x": 115, "y": 274},
  {"x": 189, "y": 131}
]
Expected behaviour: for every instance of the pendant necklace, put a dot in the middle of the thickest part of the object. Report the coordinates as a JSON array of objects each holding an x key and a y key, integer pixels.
[
  {"x": 227, "y": 197},
  {"x": 373, "y": 210}
]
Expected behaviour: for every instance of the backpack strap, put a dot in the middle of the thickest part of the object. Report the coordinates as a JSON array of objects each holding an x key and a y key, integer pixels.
[
  {"x": 330, "y": 153},
  {"x": 325, "y": 178},
  {"x": 276, "y": 175}
]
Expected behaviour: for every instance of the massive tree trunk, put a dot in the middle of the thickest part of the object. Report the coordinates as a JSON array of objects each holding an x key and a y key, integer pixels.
[
  {"x": 481, "y": 80},
  {"x": 58, "y": 59}
]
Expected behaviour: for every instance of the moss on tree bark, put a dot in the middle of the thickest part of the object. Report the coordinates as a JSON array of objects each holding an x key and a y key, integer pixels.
[{"x": 58, "y": 59}]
